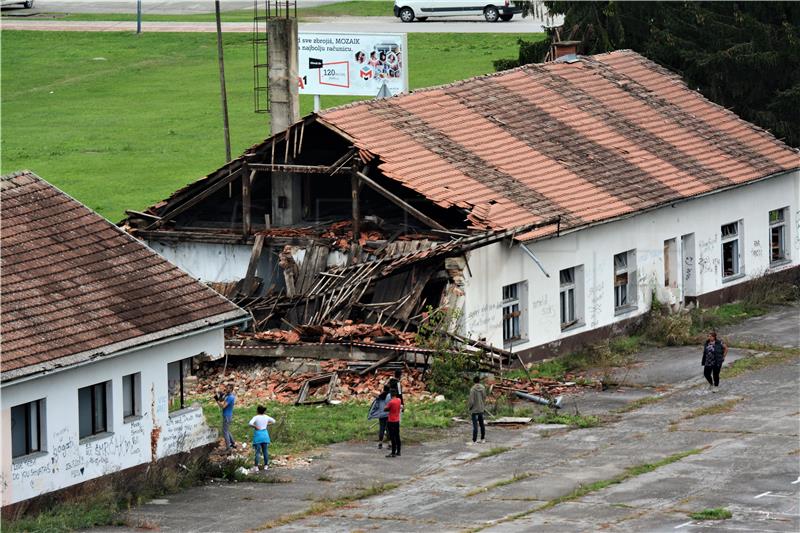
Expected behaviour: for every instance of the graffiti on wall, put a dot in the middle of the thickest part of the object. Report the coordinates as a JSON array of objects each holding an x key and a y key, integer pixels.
[{"x": 486, "y": 317}]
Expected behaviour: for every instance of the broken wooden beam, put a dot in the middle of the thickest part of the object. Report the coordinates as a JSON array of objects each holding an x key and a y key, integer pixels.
[
  {"x": 389, "y": 358},
  {"x": 399, "y": 202},
  {"x": 246, "y": 182},
  {"x": 297, "y": 168},
  {"x": 252, "y": 266},
  {"x": 199, "y": 197}
]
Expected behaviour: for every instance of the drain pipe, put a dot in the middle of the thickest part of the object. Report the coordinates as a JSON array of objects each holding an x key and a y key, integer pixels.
[{"x": 530, "y": 254}]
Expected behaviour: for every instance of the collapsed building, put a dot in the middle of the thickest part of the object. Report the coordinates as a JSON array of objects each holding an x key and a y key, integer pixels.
[{"x": 541, "y": 207}]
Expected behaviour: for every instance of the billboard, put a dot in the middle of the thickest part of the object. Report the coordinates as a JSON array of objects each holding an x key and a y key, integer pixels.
[{"x": 352, "y": 63}]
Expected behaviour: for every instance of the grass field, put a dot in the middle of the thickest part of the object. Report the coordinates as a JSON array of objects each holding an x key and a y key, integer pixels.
[
  {"x": 120, "y": 121},
  {"x": 349, "y": 8}
]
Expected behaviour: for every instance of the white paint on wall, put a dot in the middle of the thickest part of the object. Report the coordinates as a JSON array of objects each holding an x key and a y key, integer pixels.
[
  {"x": 211, "y": 262},
  {"x": 68, "y": 460},
  {"x": 698, "y": 220}
]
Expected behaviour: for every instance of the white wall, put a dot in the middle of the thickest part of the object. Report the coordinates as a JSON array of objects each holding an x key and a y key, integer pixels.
[
  {"x": 66, "y": 460},
  {"x": 211, "y": 262},
  {"x": 497, "y": 265}
]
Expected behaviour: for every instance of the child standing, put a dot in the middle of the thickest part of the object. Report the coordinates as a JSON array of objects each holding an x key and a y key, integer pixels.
[
  {"x": 261, "y": 439},
  {"x": 377, "y": 410},
  {"x": 393, "y": 407}
]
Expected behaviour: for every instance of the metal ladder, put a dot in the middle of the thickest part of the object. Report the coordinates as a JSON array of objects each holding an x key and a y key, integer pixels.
[{"x": 263, "y": 10}]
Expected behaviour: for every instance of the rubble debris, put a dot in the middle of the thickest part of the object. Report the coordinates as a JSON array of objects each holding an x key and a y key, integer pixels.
[
  {"x": 509, "y": 421},
  {"x": 255, "y": 382}
]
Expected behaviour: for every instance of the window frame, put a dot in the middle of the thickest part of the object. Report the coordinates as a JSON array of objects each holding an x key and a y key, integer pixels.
[
  {"x": 40, "y": 412},
  {"x": 96, "y": 429},
  {"x": 734, "y": 239},
  {"x": 189, "y": 361},
  {"x": 512, "y": 313},
  {"x": 629, "y": 270},
  {"x": 567, "y": 290},
  {"x": 783, "y": 225},
  {"x": 135, "y": 396}
]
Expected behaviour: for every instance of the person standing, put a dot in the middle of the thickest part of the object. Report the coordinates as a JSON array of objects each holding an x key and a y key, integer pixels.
[
  {"x": 714, "y": 352},
  {"x": 261, "y": 438},
  {"x": 477, "y": 406},
  {"x": 226, "y": 401},
  {"x": 393, "y": 407},
  {"x": 394, "y": 382},
  {"x": 377, "y": 410}
]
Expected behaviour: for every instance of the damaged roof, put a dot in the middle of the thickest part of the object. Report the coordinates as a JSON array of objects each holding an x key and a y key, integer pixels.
[
  {"x": 75, "y": 287},
  {"x": 588, "y": 140}
]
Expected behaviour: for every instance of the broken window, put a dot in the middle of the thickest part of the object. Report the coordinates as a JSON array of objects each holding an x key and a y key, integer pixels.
[
  {"x": 625, "y": 279},
  {"x": 777, "y": 235},
  {"x": 27, "y": 428},
  {"x": 731, "y": 261},
  {"x": 514, "y": 298},
  {"x": 131, "y": 404},
  {"x": 568, "y": 296},
  {"x": 93, "y": 409},
  {"x": 177, "y": 374}
]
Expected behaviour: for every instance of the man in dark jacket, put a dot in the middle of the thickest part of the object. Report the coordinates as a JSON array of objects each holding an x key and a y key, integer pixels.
[
  {"x": 714, "y": 352},
  {"x": 477, "y": 406}
]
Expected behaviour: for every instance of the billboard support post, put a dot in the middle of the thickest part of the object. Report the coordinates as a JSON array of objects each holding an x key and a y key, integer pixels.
[{"x": 317, "y": 103}]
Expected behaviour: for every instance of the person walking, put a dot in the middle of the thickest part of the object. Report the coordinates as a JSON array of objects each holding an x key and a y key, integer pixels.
[
  {"x": 477, "y": 406},
  {"x": 714, "y": 352},
  {"x": 226, "y": 400},
  {"x": 261, "y": 438},
  {"x": 393, "y": 407},
  {"x": 378, "y": 411}
]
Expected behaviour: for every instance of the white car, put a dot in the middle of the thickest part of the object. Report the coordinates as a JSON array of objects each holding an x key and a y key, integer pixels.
[
  {"x": 27, "y": 5},
  {"x": 410, "y": 10}
]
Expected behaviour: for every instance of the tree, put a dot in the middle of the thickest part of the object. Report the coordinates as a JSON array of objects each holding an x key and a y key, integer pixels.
[{"x": 741, "y": 55}]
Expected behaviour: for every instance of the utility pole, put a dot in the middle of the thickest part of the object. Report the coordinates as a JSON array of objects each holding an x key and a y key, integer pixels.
[
  {"x": 223, "y": 93},
  {"x": 138, "y": 16}
]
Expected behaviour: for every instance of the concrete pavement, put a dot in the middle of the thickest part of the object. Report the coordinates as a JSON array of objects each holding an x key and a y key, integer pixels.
[{"x": 747, "y": 460}]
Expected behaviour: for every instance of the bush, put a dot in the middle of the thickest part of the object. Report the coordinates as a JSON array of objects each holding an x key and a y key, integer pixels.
[{"x": 451, "y": 373}]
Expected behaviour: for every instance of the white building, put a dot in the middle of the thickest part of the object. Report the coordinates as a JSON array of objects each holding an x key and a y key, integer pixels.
[
  {"x": 98, "y": 333},
  {"x": 616, "y": 180}
]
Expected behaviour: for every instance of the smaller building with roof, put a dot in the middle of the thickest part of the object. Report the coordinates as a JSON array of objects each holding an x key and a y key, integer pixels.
[{"x": 99, "y": 334}]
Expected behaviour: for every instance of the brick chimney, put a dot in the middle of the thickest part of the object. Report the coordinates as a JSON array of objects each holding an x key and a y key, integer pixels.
[{"x": 564, "y": 48}]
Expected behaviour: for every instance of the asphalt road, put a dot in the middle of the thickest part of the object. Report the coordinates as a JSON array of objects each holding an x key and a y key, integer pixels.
[
  {"x": 163, "y": 7},
  {"x": 333, "y": 24},
  {"x": 746, "y": 459}
]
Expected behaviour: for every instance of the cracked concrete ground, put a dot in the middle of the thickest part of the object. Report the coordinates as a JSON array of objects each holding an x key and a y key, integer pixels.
[{"x": 748, "y": 462}]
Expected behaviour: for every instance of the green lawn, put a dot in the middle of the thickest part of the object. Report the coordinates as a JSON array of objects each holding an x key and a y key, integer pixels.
[
  {"x": 120, "y": 121},
  {"x": 350, "y": 8},
  {"x": 304, "y": 427}
]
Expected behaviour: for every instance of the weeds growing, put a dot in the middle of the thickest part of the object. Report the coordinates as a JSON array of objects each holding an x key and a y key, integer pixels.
[{"x": 718, "y": 513}]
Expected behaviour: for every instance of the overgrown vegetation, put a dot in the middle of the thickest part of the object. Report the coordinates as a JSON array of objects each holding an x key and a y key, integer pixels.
[
  {"x": 574, "y": 420},
  {"x": 328, "y": 504},
  {"x": 119, "y": 493},
  {"x": 638, "y": 404},
  {"x": 750, "y": 363},
  {"x": 717, "y": 513},
  {"x": 665, "y": 327},
  {"x": 714, "y": 409}
]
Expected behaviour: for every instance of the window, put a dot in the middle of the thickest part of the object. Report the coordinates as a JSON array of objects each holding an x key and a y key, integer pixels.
[
  {"x": 731, "y": 263},
  {"x": 93, "y": 409},
  {"x": 671, "y": 263},
  {"x": 511, "y": 313},
  {"x": 777, "y": 235},
  {"x": 27, "y": 428},
  {"x": 131, "y": 405},
  {"x": 625, "y": 279},
  {"x": 177, "y": 374},
  {"x": 567, "y": 278}
]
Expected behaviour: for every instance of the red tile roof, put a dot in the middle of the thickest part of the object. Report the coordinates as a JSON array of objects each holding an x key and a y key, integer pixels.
[
  {"x": 588, "y": 140},
  {"x": 75, "y": 287}
]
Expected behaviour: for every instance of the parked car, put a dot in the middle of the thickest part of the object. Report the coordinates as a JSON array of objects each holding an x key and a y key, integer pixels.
[
  {"x": 410, "y": 10},
  {"x": 27, "y": 5}
]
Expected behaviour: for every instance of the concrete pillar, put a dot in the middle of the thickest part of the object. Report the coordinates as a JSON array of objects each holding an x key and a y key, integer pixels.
[{"x": 284, "y": 104}]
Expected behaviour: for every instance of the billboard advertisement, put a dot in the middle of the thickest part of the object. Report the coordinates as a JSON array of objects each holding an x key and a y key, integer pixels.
[{"x": 352, "y": 63}]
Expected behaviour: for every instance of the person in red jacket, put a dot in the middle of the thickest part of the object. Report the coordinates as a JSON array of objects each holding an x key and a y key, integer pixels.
[{"x": 394, "y": 407}]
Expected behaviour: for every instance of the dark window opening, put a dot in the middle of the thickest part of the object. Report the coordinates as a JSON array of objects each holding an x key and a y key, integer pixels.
[
  {"x": 27, "y": 428},
  {"x": 93, "y": 410}
]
